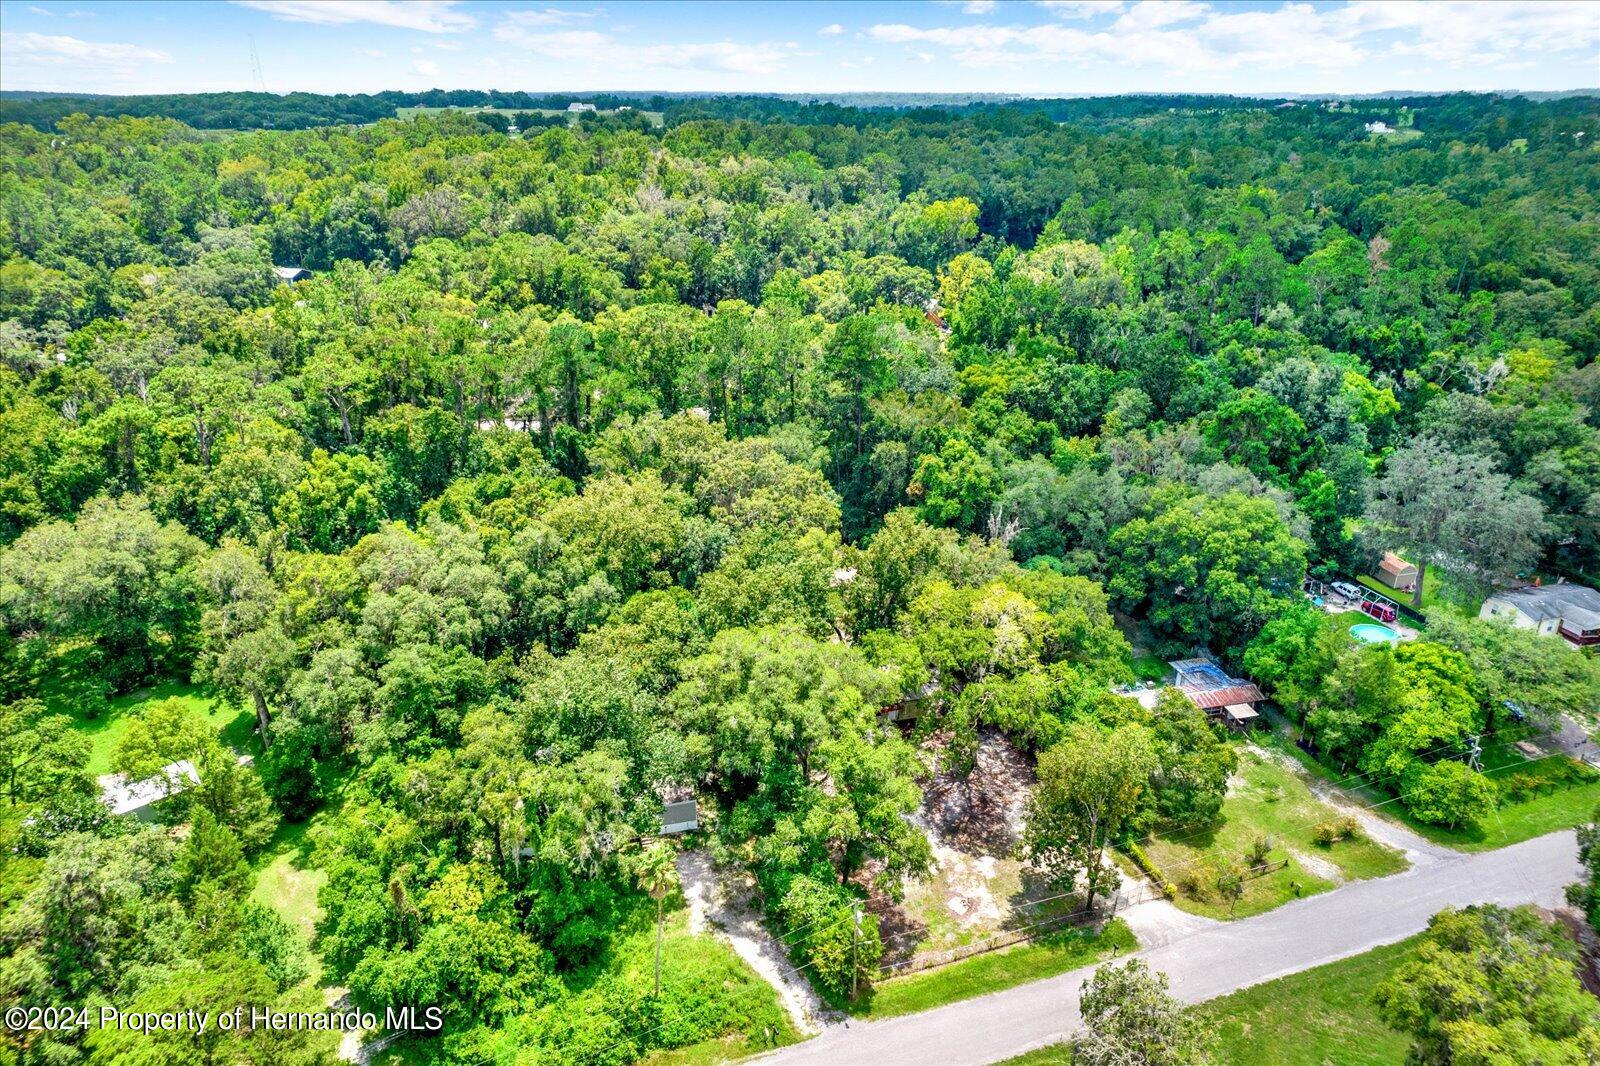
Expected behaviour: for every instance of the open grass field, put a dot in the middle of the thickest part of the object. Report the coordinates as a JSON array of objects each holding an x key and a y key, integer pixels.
[
  {"x": 287, "y": 882},
  {"x": 1322, "y": 1017},
  {"x": 234, "y": 725},
  {"x": 982, "y": 974},
  {"x": 1264, "y": 800}
]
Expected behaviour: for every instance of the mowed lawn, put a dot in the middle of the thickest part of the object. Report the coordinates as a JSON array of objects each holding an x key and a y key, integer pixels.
[
  {"x": 1264, "y": 800},
  {"x": 287, "y": 882},
  {"x": 1049, "y": 955},
  {"x": 234, "y": 725},
  {"x": 1321, "y": 1017}
]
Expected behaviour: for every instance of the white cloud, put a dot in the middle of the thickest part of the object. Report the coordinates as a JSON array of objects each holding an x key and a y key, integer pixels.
[
  {"x": 546, "y": 16},
  {"x": 1153, "y": 14},
  {"x": 1462, "y": 32},
  {"x": 979, "y": 7},
  {"x": 603, "y": 51},
  {"x": 830, "y": 30},
  {"x": 41, "y": 11},
  {"x": 1081, "y": 9},
  {"x": 1185, "y": 36},
  {"x": 426, "y": 67},
  {"x": 429, "y": 16},
  {"x": 44, "y": 48}
]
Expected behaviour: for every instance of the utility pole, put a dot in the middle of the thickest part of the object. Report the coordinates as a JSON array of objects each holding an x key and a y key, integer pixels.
[{"x": 855, "y": 941}]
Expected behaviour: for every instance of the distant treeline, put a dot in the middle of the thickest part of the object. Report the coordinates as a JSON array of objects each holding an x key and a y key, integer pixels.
[
  {"x": 253, "y": 110},
  {"x": 1466, "y": 114}
]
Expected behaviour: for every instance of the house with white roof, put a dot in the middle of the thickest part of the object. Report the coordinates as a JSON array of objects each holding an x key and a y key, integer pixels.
[
  {"x": 1563, "y": 609},
  {"x": 139, "y": 798}
]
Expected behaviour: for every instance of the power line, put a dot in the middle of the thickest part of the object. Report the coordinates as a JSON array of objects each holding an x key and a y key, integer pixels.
[{"x": 796, "y": 970}]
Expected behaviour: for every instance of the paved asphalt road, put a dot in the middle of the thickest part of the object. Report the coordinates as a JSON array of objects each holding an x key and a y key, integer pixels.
[{"x": 1211, "y": 962}]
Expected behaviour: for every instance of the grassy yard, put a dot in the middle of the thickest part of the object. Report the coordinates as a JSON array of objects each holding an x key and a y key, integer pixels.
[
  {"x": 288, "y": 883},
  {"x": 1437, "y": 592},
  {"x": 1321, "y": 1016},
  {"x": 1052, "y": 1055},
  {"x": 710, "y": 998},
  {"x": 982, "y": 974},
  {"x": 1574, "y": 793},
  {"x": 1265, "y": 800},
  {"x": 234, "y": 725},
  {"x": 1570, "y": 794}
]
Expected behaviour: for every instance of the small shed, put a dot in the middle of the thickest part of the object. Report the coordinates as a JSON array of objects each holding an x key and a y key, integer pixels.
[
  {"x": 680, "y": 816},
  {"x": 288, "y": 275},
  {"x": 1397, "y": 573}
]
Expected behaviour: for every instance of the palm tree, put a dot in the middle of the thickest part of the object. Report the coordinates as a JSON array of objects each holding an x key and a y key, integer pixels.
[{"x": 657, "y": 873}]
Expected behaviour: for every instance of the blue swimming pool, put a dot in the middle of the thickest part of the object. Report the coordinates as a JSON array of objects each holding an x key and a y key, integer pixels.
[{"x": 1372, "y": 633}]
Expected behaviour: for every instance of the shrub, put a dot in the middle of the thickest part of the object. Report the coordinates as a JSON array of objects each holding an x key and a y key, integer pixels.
[
  {"x": 820, "y": 915},
  {"x": 1448, "y": 793},
  {"x": 1333, "y": 830},
  {"x": 1141, "y": 860}
]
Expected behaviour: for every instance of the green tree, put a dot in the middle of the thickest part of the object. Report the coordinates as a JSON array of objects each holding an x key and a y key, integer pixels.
[
  {"x": 1208, "y": 569},
  {"x": 1544, "y": 678},
  {"x": 115, "y": 580},
  {"x": 1193, "y": 761},
  {"x": 40, "y": 753},
  {"x": 657, "y": 874},
  {"x": 1090, "y": 786},
  {"x": 1585, "y": 894},
  {"x": 1493, "y": 985},
  {"x": 1455, "y": 509},
  {"x": 1130, "y": 1019},
  {"x": 1447, "y": 793},
  {"x": 162, "y": 733}
]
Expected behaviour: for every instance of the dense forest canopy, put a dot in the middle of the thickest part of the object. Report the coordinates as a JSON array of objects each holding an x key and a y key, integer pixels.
[{"x": 590, "y": 463}]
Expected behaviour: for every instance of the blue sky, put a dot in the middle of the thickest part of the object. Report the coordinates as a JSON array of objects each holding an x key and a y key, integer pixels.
[{"x": 1038, "y": 48}]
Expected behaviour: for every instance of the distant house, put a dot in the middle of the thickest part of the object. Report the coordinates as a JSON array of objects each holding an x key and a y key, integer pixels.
[
  {"x": 290, "y": 275},
  {"x": 1397, "y": 573},
  {"x": 1564, "y": 609},
  {"x": 1379, "y": 127},
  {"x": 1210, "y": 688},
  {"x": 576, "y": 106},
  {"x": 139, "y": 798}
]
